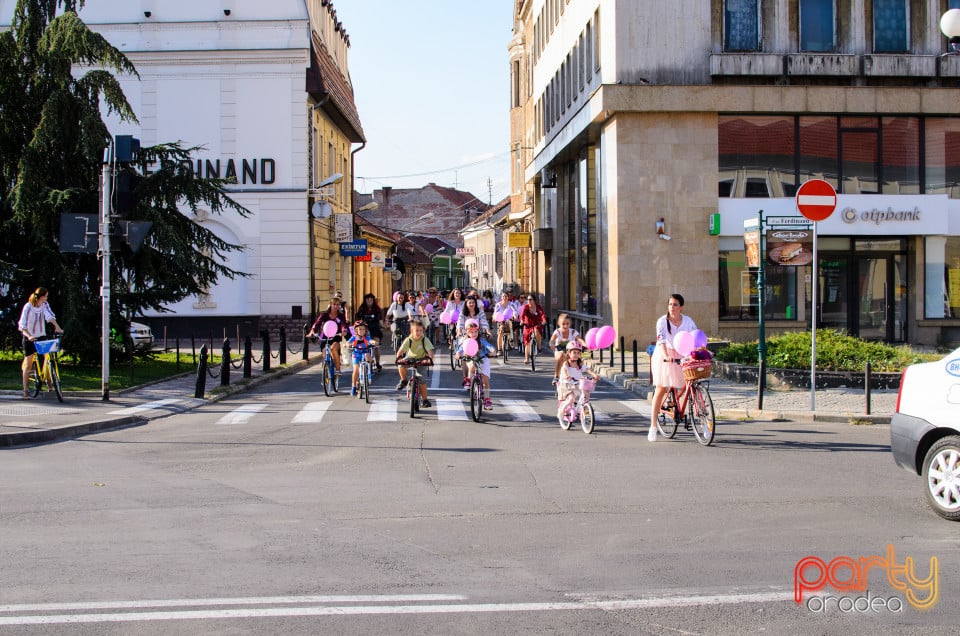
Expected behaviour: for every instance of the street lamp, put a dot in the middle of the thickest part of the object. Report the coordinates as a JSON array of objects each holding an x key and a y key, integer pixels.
[{"x": 950, "y": 26}]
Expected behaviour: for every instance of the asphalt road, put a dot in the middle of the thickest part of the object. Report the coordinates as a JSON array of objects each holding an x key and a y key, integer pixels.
[{"x": 283, "y": 511}]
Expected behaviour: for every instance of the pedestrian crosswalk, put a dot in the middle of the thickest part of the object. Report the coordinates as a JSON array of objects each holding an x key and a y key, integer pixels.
[{"x": 445, "y": 409}]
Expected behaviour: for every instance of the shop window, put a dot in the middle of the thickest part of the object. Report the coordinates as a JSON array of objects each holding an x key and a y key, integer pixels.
[
  {"x": 739, "y": 296},
  {"x": 817, "y": 25},
  {"x": 741, "y": 25},
  {"x": 818, "y": 149},
  {"x": 891, "y": 26},
  {"x": 941, "y": 277},
  {"x": 756, "y": 188},
  {"x": 942, "y": 156},
  {"x": 900, "y": 140},
  {"x": 757, "y": 156}
]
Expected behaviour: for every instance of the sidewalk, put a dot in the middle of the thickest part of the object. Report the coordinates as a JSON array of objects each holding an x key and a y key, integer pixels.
[
  {"x": 735, "y": 401},
  {"x": 28, "y": 422}
]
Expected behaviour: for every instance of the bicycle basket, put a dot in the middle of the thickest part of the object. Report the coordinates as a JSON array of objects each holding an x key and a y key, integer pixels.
[
  {"x": 696, "y": 369},
  {"x": 47, "y": 346},
  {"x": 588, "y": 384}
]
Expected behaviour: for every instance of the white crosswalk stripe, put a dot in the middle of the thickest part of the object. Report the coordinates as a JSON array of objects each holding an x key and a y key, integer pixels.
[
  {"x": 242, "y": 414},
  {"x": 146, "y": 406},
  {"x": 640, "y": 406},
  {"x": 312, "y": 413},
  {"x": 520, "y": 410},
  {"x": 383, "y": 411},
  {"x": 450, "y": 409},
  {"x": 600, "y": 416}
]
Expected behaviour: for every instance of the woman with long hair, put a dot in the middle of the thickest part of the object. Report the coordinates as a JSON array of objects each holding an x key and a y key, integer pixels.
[
  {"x": 665, "y": 361},
  {"x": 33, "y": 321}
]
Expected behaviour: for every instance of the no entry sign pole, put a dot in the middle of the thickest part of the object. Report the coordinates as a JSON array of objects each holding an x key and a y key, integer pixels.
[{"x": 816, "y": 200}]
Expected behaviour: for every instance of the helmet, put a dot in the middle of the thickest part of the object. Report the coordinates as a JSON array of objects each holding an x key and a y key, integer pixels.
[
  {"x": 359, "y": 323},
  {"x": 471, "y": 323},
  {"x": 574, "y": 346}
]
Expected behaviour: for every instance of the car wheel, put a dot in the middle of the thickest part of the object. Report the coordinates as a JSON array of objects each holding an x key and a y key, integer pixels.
[{"x": 941, "y": 474}]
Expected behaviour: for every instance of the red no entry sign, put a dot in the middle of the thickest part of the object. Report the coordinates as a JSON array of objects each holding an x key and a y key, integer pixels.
[{"x": 816, "y": 199}]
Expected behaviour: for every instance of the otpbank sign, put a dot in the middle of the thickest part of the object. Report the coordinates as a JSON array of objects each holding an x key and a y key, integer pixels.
[{"x": 815, "y": 581}]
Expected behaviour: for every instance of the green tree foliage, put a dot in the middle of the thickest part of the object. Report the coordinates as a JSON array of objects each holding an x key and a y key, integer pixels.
[{"x": 55, "y": 77}]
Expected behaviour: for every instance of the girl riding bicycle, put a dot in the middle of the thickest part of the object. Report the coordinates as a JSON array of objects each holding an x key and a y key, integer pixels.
[
  {"x": 360, "y": 343},
  {"x": 484, "y": 349},
  {"x": 562, "y": 336},
  {"x": 573, "y": 371}
]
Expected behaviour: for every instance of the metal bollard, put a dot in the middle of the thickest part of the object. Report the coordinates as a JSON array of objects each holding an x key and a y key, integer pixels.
[
  {"x": 283, "y": 345},
  {"x": 612, "y": 361},
  {"x": 635, "y": 374},
  {"x": 225, "y": 363},
  {"x": 178, "y": 354},
  {"x": 247, "y": 357},
  {"x": 866, "y": 384},
  {"x": 306, "y": 346},
  {"x": 201, "y": 386},
  {"x": 265, "y": 336},
  {"x": 623, "y": 362},
  {"x": 761, "y": 376},
  {"x": 193, "y": 349}
]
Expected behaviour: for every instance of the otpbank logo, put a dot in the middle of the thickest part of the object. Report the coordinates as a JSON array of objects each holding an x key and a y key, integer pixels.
[{"x": 846, "y": 574}]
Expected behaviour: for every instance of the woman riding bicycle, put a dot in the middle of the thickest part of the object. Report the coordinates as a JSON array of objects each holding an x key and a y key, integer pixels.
[
  {"x": 665, "y": 361},
  {"x": 484, "y": 349},
  {"x": 33, "y": 326},
  {"x": 399, "y": 314},
  {"x": 371, "y": 314},
  {"x": 532, "y": 318},
  {"x": 332, "y": 312}
]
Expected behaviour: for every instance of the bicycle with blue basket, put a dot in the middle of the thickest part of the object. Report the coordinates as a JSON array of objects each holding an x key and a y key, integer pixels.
[{"x": 46, "y": 369}]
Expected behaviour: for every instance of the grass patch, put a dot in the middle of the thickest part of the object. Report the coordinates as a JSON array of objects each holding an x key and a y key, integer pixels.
[
  {"x": 75, "y": 377},
  {"x": 835, "y": 352}
]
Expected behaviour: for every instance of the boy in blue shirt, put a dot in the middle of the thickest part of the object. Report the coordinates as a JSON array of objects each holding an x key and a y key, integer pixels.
[{"x": 361, "y": 344}]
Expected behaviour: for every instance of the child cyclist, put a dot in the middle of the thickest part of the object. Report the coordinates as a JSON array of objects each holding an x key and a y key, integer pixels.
[
  {"x": 573, "y": 371},
  {"x": 361, "y": 343},
  {"x": 415, "y": 347},
  {"x": 482, "y": 357},
  {"x": 562, "y": 336}
]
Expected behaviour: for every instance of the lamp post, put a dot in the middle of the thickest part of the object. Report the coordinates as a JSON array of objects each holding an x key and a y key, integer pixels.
[{"x": 950, "y": 26}]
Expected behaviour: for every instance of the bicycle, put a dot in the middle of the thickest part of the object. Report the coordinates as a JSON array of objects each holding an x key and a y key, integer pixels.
[
  {"x": 46, "y": 372},
  {"x": 413, "y": 382},
  {"x": 693, "y": 406},
  {"x": 534, "y": 349},
  {"x": 328, "y": 371},
  {"x": 455, "y": 362},
  {"x": 398, "y": 333},
  {"x": 578, "y": 408},
  {"x": 475, "y": 386},
  {"x": 365, "y": 375},
  {"x": 504, "y": 335}
]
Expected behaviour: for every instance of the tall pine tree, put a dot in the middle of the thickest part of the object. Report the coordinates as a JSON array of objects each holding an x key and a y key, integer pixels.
[{"x": 55, "y": 76}]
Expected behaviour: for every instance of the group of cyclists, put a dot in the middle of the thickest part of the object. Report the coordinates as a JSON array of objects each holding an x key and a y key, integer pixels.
[{"x": 422, "y": 318}]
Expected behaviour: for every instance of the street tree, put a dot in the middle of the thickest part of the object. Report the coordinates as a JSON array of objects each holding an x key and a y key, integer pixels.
[{"x": 57, "y": 79}]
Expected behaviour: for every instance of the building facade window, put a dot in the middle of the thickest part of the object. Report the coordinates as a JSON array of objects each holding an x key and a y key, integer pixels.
[
  {"x": 596, "y": 40},
  {"x": 941, "y": 155},
  {"x": 942, "y": 277},
  {"x": 757, "y": 156},
  {"x": 817, "y": 25},
  {"x": 741, "y": 25},
  {"x": 891, "y": 26},
  {"x": 953, "y": 4},
  {"x": 515, "y": 84},
  {"x": 739, "y": 298}
]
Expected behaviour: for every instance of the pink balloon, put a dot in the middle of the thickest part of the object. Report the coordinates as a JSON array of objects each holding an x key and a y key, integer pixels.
[
  {"x": 683, "y": 343},
  {"x": 508, "y": 314},
  {"x": 455, "y": 316},
  {"x": 498, "y": 316},
  {"x": 470, "y": 347},
  {"x": 699, "y": 339},
  {"x": 330, "y": 329},
  {"x": 606, "y": 336},
  {"x": 445, "y": 318},
  {"x": 429, "y": 308},
  {"x": 591, "y": 338}
]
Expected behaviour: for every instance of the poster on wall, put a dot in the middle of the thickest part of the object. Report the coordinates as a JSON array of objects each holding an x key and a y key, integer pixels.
[
  {"x": 749, "y": 291},
  {"x": 343, "y": 227},
  {"x": 751, "y": 245}
]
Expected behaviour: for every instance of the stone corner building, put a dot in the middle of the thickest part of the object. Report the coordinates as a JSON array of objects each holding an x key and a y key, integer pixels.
[{"x": 701, "y": 114}]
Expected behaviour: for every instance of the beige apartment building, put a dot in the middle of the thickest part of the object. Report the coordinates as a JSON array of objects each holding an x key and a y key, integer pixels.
[{"x": 645, "y": 135}]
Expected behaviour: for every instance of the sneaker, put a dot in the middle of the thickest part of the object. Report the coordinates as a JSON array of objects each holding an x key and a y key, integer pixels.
[
  {"x": 353, "y": 390},
  {"x": 487, "y": 404},
  {"x": 402, "y": 385},
  {"x": 379, "y": 368},
  {"x": 425, "y": 404},
  {"x": 652, "y": 435},
  {"x": 466, "y": 383}
]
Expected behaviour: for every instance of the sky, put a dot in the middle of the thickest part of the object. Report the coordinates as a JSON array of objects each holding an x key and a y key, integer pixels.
[{"x": 431, "y": 82}]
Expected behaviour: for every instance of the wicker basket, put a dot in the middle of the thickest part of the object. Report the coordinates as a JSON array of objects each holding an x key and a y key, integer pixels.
[{"x": 696, "y": 369}]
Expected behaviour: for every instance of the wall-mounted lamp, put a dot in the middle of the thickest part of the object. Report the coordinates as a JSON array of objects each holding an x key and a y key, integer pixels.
[
  {"x": 950, "y": 26},
  {"x": 147, "y": 14},
  {"x": 662, "y": 230},
  {"x": 226, "y": 12}
]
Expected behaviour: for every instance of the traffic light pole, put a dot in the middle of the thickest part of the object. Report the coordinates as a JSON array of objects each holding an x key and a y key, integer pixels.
[{"x": 106, "y": 188}]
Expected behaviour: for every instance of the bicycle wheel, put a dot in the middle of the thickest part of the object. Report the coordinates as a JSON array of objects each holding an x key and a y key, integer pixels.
[
  {"x": 476, "y": 399},
  {"x": 453, "y": 365},
  {"x": 667, "y": 422},
  {"x": 414, "y": 395},
  {"x": 533, "y": 353},
  {"x": 365, "y": 382},
  {"x": 504, "y": 348},
  {"x": 586, "y": 418},
  {"x": 325, "y": 374},
  {"x": 33, "y": 382},
  {"x": 54, "y": 373},
  {"x": 334, "y": 378},
  {"x": 701, "y": 414},
  {"x": 561, "y": 416}
]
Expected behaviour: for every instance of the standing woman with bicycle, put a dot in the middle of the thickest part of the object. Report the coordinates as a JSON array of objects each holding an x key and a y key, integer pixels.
[
  {"x": 665, "y": 361},
  {"x": 33, "y": 326}
]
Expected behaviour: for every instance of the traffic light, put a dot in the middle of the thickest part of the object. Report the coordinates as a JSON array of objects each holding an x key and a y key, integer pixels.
[
  {"x": 125, "y": 192},
  {"x": 126, "y": 148}
]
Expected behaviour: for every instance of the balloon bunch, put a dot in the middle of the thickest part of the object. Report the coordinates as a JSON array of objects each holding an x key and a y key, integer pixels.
[
  {"x": 688, "y": 343},
  {"x": 600, "y": 337},
  {"x": 450, "y": 315},
  {"x": 503, "y": 315}
]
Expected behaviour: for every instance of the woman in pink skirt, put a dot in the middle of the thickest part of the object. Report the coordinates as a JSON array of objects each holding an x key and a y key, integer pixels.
[{"x": 665, "y": 361}]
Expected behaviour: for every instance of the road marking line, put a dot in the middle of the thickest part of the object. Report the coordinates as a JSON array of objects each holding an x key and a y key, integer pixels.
[
  {"x": 450, "y": 410},
  {"x": 242, "y": 414},
  {"x": 355, "y": 610},
  {"x": 312, "y": 413},
  {"x": 435, "y": 380},
  {"x": 601, "y": 416},
  {"x": 520, "y": 410},
  {"x": 146, "y": 406},
  {"x": 382, "y": 411},
  {"x": 639, "y": 406}
]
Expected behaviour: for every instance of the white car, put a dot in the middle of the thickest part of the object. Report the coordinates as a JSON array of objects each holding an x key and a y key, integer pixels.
[
  {"x": 141, "y": 335},
  {"x": 925, "y": 430}
]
